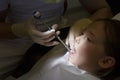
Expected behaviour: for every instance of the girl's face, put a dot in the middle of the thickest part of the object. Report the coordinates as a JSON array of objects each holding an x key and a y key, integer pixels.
[{"x": 89, "y": 46}]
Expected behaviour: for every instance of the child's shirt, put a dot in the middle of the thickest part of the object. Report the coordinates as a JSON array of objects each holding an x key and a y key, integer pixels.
[{"x": 59, "y": 69}]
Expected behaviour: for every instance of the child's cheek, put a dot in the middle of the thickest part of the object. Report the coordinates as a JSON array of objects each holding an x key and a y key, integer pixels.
[{"x": 84, "y": 50}]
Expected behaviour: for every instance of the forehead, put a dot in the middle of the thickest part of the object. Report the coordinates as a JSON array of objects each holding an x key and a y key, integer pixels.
[{"x": 97, "y": 29}]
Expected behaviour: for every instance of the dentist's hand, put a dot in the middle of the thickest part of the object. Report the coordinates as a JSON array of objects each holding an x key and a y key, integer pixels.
[
  {"x": 28, "y": 29},
  {"x": 44, "y": 38}
]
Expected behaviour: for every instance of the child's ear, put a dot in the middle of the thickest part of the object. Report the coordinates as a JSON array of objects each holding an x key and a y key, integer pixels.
[{"x": 106, "y": 62}]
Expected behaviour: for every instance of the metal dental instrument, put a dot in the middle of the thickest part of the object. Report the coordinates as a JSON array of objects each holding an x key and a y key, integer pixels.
[{"x": 37, "y": 15}]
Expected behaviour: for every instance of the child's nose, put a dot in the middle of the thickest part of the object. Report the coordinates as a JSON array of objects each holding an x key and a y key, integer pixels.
[{"x": 77, "y": 40}]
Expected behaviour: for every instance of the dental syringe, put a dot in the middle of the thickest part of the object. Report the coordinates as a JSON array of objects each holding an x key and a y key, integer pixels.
[{"x": 37, "y": 16}]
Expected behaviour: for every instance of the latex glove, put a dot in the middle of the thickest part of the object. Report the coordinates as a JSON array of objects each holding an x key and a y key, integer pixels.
[
  {"x": 28, "y": 29},
  {"x": 75, "y": 31},
  {"x": 44, "y": 38}
]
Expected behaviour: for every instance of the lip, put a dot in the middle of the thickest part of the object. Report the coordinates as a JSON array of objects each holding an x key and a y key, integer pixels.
[{"x": 72, "y": 51}]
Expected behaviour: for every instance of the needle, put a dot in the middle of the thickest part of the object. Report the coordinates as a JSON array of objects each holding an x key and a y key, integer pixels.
[{"x": 37, "y": 15}]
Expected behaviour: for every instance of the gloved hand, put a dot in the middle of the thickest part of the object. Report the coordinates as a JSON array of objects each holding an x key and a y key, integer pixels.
[
  {"x": 44, "y": 38},
  {"x": 75, "y": 31},
  {"x": 28, "y": 29}
]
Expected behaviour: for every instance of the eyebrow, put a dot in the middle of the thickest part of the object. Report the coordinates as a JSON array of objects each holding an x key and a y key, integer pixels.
[{"x": 91, "y": 34}]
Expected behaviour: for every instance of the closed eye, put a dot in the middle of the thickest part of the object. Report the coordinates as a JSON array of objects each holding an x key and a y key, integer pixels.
[
  {"x": 89, "y": 39},
  {"x": 87, "y": 36},
  {"x": 82, "y": 33}
]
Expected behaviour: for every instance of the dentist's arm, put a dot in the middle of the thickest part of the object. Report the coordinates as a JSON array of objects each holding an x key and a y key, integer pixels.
[{"x": 97, "y": 8}]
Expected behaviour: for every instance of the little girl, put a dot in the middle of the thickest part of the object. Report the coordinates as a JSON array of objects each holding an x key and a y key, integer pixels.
[{"x": 94, "y": 55}]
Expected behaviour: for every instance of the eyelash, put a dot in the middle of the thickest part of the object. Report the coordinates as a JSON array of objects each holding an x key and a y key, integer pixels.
[
  {"x": 89, "y": 39},
  {"x": 83, "y": 33}
]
